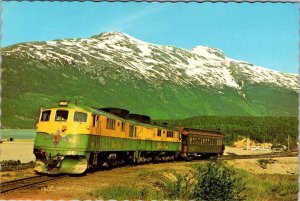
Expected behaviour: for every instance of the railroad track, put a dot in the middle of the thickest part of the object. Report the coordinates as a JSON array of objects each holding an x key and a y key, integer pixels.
[
  {"x": 26, "y": 182},
  {"x": 270, "y": 155}
]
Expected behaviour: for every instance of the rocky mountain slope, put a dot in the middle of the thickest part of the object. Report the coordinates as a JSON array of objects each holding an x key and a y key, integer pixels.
[{"x": 117, "y": 70}]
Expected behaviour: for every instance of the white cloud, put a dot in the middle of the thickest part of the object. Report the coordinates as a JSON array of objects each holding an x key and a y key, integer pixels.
[{"x": 123, "y": 23}]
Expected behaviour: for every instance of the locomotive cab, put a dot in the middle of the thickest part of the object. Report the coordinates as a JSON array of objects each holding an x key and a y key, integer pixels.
[{"x": 59, "y": 139}]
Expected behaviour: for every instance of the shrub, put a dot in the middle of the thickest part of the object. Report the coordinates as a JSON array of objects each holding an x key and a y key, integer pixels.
[
  {"x": 264, "y": 162},
  {"x": 219, "y": 183}
]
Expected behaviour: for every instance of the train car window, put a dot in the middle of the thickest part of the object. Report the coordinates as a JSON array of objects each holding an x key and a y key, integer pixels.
[
  {"x": 134, "y": 134},
  {"x": 61, "y": 115},
  {"x": 184, "y": 139},
  {"x": 158, "y": 133},
  {"x": 123, "y": 126},
  {"x": 170, "y": 134},
  {"x": 46, "y": 115},
  {"x": 110, "y": 124},
  {"x": 130, "y": 130},
  {"x": 80, "y": 117}
]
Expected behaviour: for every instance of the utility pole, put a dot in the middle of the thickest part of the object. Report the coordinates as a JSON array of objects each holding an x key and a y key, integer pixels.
[{"x": 289, "y": 143}]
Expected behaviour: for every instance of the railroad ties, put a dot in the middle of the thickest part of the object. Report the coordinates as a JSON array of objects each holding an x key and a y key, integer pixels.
[
  {"x": 269, "y": 155},
  {"x": 26, "y": 182}
]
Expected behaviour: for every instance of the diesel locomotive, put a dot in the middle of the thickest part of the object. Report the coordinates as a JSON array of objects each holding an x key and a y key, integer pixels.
[{"x": 73, "y": 138}]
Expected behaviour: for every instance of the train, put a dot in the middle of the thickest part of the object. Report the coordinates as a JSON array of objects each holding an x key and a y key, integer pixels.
[{"x": 73, "y": 138}]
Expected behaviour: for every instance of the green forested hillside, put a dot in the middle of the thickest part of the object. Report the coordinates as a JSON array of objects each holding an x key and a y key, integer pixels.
[
  {"x": 262, "y": 129},
  {"x": 29, "y": 85}
]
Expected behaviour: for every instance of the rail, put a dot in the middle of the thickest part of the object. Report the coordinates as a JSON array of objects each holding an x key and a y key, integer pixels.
[
  {"x": 26, "y": 182},
  {"x": 269, "y": 155}
]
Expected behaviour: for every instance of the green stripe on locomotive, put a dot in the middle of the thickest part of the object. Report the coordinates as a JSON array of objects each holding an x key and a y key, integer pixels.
[{"x": 79, "y": 144}]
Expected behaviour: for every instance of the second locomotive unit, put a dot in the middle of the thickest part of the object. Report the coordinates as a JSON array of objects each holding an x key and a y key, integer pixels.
[{"x": 72, "y": 138}]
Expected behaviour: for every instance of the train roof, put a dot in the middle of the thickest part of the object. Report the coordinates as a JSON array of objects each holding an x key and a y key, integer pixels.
[
  {"x": 74, "y": 105},
  {"x": 187, "y": 131}
]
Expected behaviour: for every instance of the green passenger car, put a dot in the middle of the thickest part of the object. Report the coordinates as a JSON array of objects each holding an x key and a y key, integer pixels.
[{"x": 201, "y": 142}]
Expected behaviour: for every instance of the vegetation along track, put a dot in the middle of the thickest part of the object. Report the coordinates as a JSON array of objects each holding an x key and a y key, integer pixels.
[{"x": 26, "y": 182}]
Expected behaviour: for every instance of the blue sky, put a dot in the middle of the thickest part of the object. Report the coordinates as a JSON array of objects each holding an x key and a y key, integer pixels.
[{"x": 265, "y": 34}]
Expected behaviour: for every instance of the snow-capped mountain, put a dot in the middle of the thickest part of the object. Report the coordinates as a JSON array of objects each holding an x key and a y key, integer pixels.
[
  {"x": 201, "y": 66},
  {"x": 119, "y": 63}
]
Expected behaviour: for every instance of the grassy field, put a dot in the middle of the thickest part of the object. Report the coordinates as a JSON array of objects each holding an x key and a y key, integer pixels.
[{"x": 171, "y": 184}]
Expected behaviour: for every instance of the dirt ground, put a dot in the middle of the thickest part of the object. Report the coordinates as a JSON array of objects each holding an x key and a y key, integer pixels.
[
  {"x": 73, "y": 187},
  {"x": 288, "y": 165}
]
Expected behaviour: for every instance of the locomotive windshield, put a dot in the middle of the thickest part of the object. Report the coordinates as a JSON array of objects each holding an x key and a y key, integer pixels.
[
  {"x": 46, "y": 115},
  {"x": 61, "y": 115},
  {"x": 80, "y": 117}
]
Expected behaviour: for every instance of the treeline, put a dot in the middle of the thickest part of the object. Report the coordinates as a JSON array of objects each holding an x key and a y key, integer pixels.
[{"x": 276, "y": 130}]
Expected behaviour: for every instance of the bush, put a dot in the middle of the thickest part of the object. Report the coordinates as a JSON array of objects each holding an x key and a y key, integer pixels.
[
  {"x": 219, "y": 183},
  {"x": 264, "y": 162}
]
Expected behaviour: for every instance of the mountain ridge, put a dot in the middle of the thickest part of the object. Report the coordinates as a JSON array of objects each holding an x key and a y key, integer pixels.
[
  {"x": 115, "y": 69},
  {"x": 197, "y": 63}
]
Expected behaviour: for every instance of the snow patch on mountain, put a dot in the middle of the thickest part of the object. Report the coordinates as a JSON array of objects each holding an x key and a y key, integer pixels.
[{"x": 209, "y": 53}]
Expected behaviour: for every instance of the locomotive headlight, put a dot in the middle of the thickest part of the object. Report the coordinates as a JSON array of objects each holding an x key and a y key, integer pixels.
[
  {"x": 63, "y": 103},
  {"x": 64, "y": 128}
]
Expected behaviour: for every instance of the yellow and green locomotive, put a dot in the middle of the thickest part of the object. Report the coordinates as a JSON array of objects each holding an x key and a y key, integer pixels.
[{"x": 72, "y": 138}]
